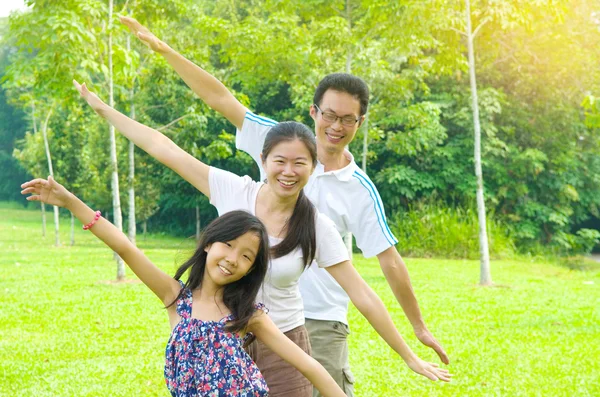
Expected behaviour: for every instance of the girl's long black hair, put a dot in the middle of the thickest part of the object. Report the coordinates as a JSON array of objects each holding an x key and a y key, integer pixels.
[
  {"x": 301, "y": 225},
  {"x": 239, "y": 296}
]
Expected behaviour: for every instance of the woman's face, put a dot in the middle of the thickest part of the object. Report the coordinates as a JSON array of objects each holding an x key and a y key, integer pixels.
[{"x": 288, "y": 167}]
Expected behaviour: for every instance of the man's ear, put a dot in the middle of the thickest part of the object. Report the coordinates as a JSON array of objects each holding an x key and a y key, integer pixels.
[
  {"x": 313, "y": 112},
  {"x": 361, "y": 120}
]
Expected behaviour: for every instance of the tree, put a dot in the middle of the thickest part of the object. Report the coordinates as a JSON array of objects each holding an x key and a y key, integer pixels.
[
  {"x": 114, "y": 181},
  {"x": 485, "y": 277},
  {"x": 535, "y": 63}
]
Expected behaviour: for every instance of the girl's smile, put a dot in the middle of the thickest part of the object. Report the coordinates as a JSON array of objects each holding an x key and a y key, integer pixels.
[{"x": 227, "y": 262}]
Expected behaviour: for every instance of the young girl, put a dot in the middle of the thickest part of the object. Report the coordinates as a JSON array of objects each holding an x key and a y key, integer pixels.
[
  {"x": 213, "y": 312},
  {"x": 297, "y": 232}
]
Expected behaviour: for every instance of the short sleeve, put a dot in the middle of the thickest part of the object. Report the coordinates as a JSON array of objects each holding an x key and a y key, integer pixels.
[
  {"x": 368, "y": 224},
  {"x": 331, "y": 249},
  {"x": 250, "y": 337},
  {"x": 251, "y": 137},
  {"x": 230, "y": 192},
  {"x": 261, "y": 306}
]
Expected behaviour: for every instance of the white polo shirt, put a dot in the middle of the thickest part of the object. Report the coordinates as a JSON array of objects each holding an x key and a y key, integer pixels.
[
  {"x": 280, "y": 291},
  {"x": 349, "y": 198}
]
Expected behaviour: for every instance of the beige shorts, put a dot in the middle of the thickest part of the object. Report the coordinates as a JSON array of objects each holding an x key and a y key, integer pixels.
[
  {"x": 329, "y": 343},
  {"x": 283, "y": 379}
]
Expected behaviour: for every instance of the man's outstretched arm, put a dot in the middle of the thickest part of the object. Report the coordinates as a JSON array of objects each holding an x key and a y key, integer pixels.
[
  {"x": 205, "y": 85},
  {"x": 396, "y": 274}
]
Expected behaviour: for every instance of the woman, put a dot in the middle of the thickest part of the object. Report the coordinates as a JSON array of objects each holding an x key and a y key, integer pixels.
[{"x": 297, "y": 233}]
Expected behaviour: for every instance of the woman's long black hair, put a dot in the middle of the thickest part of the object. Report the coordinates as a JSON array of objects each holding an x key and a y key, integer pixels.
[
  {"x": 301, "y": 225},
  {"x": 239, "y": 296}
]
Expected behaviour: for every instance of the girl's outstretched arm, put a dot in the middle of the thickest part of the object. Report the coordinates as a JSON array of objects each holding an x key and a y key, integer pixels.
[
  {"x": 152, "y": 142},
  {"x": 206, "y": 86},
  {"x": 373, "y": 309},
  {"x": 267, "y": 332},
  {"x": 51, "y": 192}
]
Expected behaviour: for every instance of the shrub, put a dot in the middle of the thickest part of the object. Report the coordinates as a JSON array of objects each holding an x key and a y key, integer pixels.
[{"x": 434, "y": 230}]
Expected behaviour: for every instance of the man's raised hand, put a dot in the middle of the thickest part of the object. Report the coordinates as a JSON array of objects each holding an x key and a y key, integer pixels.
[
  {"x": 145, "y": 36},
  {"x": 91, "y": 98}
]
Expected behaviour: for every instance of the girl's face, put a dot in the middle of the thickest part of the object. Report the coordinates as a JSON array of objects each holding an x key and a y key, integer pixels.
[
  {"x": 229, "y": 261},
  {"x": 288, "y": 167}
]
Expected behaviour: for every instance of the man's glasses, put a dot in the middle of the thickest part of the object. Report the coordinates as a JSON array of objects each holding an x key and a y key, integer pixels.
[{"x": 330, "y": 117}]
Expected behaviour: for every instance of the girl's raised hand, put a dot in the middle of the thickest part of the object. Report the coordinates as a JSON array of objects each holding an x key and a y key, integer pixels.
[
  {"x": 91, "y": 98},
  {"x": 429, "y": 370},
  {"x": 145, "y": 36},
  {"x": 47, "y": 191}
]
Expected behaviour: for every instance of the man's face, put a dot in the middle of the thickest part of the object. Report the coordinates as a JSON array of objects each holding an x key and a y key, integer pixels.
[{"x": 334, "y": 136}]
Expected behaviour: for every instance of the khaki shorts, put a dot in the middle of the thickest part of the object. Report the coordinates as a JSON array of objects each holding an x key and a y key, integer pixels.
[
  {"x": 283, "y": 379},
  {"x": 329, "y": 343}
]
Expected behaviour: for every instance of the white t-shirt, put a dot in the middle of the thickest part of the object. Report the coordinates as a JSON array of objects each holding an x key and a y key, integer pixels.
[
  {"x": 349, "y": 198},
  {"x": 280, "y": 291}
]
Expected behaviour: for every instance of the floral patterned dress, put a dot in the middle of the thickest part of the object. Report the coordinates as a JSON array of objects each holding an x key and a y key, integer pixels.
[{"x": 202, "y": 359}]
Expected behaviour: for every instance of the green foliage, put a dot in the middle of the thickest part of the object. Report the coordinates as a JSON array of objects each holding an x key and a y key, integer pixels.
[
  {"x": 538, "y": 87},
  {"x": 591, "y": 105},
  {"x": 12, "y": 129},
  {"x": 436, "y": 230}
]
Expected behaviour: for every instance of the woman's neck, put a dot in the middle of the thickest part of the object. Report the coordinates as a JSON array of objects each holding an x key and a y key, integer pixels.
[
  {"x": 275, "y": 204},
  {"x": 274, "y": 211}
]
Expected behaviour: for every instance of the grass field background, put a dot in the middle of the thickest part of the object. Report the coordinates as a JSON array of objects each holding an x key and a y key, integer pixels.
[{"x": 67, "y": 330}]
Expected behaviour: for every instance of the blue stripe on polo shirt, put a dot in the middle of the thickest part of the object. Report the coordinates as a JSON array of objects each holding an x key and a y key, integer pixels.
[
  {"x": 260, "y": 120},
  {"x": 378, "y": 207}
]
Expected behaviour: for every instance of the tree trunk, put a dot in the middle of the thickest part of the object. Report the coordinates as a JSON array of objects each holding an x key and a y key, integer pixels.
[
  {"x": 43, "y": 220},
  {"x": 365, "y": 127},
  {"x": 35, "y": 130},
  {"x": 117, "y": 216},
  {"x": 50, "y": 170},
  {"x": 197, "y": 223},
  {"x": 350, "y": 50},
  {"x": 348, "y": 236},
  {"x": 131, "y": 177},
  {"x": 145, "y": 228},
  {"x": 131, "y": 229},
  {"x": 72, "y": 229},
  {"x": 485, "y": 277}
]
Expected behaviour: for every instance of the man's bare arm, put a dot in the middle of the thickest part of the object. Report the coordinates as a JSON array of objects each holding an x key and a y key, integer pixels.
[
  {"x": 397, "y": 276},
  {"x": 205, "y": 85}
]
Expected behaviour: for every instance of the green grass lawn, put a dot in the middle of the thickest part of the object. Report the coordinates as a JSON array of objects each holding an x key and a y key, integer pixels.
[{"x": 65, "y": 330}]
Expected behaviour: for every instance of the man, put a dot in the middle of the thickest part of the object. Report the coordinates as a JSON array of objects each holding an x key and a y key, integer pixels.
[{"x": 338, "y": 188}]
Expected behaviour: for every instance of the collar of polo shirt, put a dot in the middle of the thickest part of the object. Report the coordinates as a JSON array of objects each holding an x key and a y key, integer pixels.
[{"x": 343, "y": 174}]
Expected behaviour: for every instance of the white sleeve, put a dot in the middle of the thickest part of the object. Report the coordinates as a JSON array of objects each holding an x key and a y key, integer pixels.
[
  {"x": 230, "y": 192},
  {"x": 368, "y": 223},
  {"x": 251, "y": 137},
  {"x": 331, "y": 249}
]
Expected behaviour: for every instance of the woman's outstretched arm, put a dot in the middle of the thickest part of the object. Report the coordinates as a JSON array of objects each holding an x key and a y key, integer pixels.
[
  {"x": 152, "y": 142},
  {"x": 51, "y": 192}
]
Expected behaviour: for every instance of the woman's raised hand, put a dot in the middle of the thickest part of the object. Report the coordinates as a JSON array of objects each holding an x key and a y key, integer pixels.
[
  {"x": 47, "y": 191},
  {"x": 429, "y": 370},
  {"x": 91, "y": 98},
  {"x": 145, "y": 36}
]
